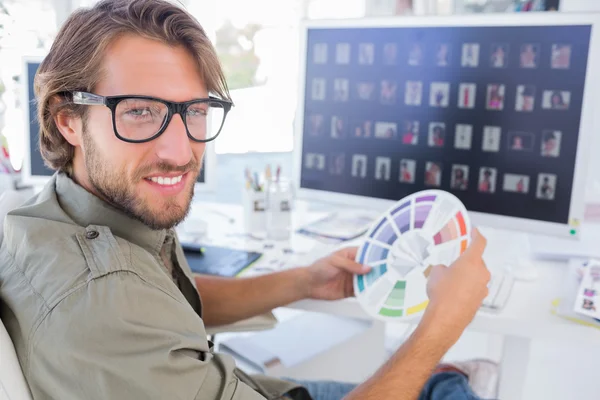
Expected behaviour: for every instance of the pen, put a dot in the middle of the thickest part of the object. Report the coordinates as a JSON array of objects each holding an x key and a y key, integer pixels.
[
  {"x": 278, "y": 173},
  {"x": 257, "y": 185},
  {"x": 190, "y": 247},
  {"x": 249, "y": 182}
]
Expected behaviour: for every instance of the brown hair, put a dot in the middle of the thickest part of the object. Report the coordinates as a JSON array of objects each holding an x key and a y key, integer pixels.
[{"x": 75, "y": 60}]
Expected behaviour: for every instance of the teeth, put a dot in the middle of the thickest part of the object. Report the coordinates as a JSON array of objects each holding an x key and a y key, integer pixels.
[{"x": 166, "y": 181}]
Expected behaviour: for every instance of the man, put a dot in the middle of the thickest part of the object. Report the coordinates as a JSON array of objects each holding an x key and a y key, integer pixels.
[
  {"x": 485, "y": 185},
  {"x": 433, "y": 174},
  {"x": 359, "y": 167},
  {"x": 527, "y": 98},
  {"x": 546, "y": 190},
  {"x": 550, "y": 144},
  {"x": 410, "y": 133},
  {"x": 460, "y": 180},
  {"x": 496, "y": 99},
  {"x": 405, "y": 173},
  {"x": 94, "y": 287},
  {"x": 557, "y": 101},
  {"x": 437, "y": 136}
]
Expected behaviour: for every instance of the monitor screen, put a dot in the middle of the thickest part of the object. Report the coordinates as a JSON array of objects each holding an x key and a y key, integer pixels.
[
  {"x": 491, "y": 114},
  {"x": 34, "y": 163}
]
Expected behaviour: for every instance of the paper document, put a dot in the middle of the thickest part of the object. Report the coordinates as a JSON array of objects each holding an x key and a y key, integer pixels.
[
  {"x": 293, "y": 341},
  {"x": 340, "y": 225},
  {"x": 588, "y": 294}
]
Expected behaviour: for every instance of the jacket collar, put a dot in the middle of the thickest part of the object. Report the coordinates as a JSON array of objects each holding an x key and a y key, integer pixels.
[{"x": 87, "y": 209}]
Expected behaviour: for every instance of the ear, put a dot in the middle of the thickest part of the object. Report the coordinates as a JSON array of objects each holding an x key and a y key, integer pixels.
[{"x": 69, "y": 126}]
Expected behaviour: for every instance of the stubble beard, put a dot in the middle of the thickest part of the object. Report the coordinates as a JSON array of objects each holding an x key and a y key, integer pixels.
[{"x": 118, "y": 189}]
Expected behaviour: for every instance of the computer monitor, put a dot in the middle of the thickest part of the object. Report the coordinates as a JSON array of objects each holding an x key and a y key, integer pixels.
[
  {"x": 34, "y": 171},
  {"x": 496, "y": 109}
]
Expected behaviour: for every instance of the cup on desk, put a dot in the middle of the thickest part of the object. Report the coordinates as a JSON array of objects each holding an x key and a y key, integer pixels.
[
  {"x": 279, "y": 205},
  {"x": 254, "y": 202}
]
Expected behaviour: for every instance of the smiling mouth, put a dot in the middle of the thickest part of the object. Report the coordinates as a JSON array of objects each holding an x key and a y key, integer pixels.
[{"x": 166, "y": 180}]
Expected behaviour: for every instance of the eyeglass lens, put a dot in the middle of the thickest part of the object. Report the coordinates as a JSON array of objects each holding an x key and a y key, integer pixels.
[{"x": 141, "y": 119}]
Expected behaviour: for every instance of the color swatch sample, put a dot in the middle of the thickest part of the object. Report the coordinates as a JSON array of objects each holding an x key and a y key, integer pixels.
[{"x": 427, "y": 228}]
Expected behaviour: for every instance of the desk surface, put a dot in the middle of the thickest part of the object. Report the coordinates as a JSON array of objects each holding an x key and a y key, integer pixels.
[{"x": 526, "y": 314}]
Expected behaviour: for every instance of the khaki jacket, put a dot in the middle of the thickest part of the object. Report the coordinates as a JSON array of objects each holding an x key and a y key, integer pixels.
[{"x": 93, "y": 313}]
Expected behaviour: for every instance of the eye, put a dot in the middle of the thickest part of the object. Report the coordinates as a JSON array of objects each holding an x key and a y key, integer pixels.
[
  {"x": 140, "y": 109},
  {"x": 197, "y": 111},
  {"x": 139, "y": 112}
]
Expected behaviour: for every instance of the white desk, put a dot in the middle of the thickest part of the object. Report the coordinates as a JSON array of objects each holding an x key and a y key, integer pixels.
[{"x": 526, "y": 316}]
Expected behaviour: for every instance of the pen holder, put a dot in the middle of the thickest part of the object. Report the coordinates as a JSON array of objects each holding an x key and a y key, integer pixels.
[
  {"x": 279, "y": 205},
  {"x": 254, "y": 202}
]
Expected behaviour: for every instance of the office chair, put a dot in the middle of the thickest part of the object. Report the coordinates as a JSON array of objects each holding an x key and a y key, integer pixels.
[{"x": 12, "y": 381}]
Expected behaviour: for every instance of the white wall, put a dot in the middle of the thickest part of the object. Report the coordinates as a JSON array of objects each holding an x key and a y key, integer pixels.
[{"x": 579, "y": 5}]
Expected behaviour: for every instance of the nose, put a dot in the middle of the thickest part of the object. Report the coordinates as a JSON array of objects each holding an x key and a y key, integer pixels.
[{"x": 174, "y": 146}]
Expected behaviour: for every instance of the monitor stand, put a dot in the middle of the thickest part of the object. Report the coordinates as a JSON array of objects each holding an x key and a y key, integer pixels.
[{"x": 510, "y": 251}]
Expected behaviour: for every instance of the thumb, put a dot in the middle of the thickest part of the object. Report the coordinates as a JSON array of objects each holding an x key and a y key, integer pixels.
[{"x": 478, "y": 244}]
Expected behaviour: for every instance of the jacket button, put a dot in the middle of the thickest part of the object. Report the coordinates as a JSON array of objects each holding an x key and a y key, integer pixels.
[{"x": 91, "y": 234}]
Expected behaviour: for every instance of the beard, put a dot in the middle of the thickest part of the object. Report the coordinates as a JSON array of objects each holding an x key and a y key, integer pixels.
[{"x": 119, "y": 190}]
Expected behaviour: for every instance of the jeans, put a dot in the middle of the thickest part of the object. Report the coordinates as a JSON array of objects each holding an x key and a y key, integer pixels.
[{"x": 441, "y": 386}]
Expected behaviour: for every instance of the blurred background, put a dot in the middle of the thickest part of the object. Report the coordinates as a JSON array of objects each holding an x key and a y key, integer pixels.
[
  {"x": 257, "y": 42},
  {"x": 258, "y": 45}
]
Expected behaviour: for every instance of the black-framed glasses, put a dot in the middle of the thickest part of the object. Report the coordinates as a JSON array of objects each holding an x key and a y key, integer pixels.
[{"x": 139, "y": 119}]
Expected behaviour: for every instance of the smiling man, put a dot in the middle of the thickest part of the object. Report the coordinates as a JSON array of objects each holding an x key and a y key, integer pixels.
[{"x": 94, "y": 288}]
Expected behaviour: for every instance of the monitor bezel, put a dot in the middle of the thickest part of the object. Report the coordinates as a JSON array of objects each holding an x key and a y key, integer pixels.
[
  {"x": 571, "y": 229},
  {"x": 27, "y": 178}
]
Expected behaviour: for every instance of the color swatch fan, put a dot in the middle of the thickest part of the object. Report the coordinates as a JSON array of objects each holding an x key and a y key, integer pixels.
[{"x": 424, "y": 229}]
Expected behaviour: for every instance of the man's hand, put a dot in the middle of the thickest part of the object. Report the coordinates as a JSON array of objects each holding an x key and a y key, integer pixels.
[
  {"x": 456, "y": 292},
  {"x": 330, "y": 278}
]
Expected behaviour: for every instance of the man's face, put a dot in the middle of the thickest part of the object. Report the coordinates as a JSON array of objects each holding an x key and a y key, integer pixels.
[{"x": 154, "y": 181}]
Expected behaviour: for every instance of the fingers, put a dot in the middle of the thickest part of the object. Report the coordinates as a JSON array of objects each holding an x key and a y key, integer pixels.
[
  {"x": 349, "y": 252},
  {"x": 488, "y": 274},
  {"x": 348, "y": 264},
  {"x": 478, "y": 244}
]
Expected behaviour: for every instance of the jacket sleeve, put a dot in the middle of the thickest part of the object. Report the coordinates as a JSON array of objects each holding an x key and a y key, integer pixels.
[{"x": 120, "y": 337}]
